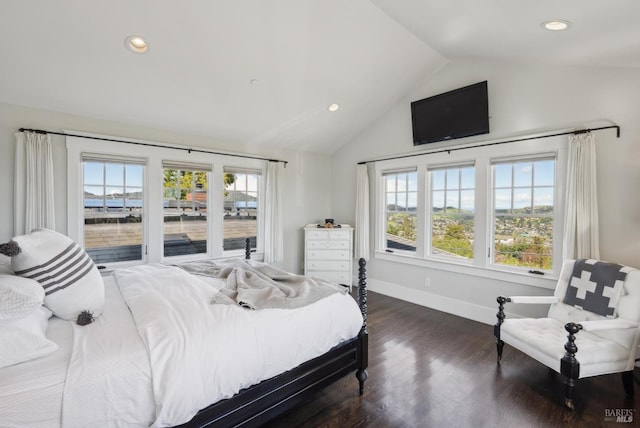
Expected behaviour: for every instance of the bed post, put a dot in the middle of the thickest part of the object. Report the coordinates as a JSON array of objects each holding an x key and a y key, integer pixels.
[
  {"x": 363, "y": 343},
  {"x": 247, "y": 249}
]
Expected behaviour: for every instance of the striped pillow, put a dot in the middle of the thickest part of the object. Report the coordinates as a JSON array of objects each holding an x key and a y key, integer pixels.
[{"x": 70, "y": 279}]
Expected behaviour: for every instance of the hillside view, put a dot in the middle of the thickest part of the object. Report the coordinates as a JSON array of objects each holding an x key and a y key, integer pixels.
[{"x": 520, "y": 238}]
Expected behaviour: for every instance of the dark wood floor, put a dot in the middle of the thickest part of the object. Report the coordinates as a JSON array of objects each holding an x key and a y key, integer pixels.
[{"x": 432, "y": 369}]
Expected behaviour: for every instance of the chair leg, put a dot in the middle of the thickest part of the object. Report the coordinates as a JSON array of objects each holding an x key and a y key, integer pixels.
[
  {"x": 627, "y": 382},
  {"x": 569, "y": 365},
  {"x": 499, "y": 347},
  {"x": 496, "y": 328}
]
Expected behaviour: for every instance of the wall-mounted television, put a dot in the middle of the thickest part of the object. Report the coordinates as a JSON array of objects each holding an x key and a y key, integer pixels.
[{"x": 455, "y": 114}]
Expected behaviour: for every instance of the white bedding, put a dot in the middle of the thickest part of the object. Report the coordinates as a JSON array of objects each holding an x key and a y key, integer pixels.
[{"x": 170, "y": 353}]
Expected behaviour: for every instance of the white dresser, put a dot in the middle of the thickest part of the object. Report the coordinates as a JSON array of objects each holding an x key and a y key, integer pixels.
[{"x": 328, "y": 253}]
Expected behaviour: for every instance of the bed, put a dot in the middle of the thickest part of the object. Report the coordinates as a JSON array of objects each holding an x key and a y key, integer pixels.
[{"x": 127, "y": 368}]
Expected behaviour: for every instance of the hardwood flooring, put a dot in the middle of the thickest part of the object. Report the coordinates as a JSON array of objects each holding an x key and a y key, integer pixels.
[{"x": 432, "y": 369}]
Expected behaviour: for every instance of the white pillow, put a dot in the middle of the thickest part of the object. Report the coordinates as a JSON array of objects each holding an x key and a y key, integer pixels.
[
  {"x": 18, "y": 297},
  {"x": 70, "y": 279},
  {"x": 24, "y": 339}
]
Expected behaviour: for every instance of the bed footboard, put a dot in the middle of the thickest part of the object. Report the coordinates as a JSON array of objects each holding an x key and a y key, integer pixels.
[{"x": 262, "y": 402}]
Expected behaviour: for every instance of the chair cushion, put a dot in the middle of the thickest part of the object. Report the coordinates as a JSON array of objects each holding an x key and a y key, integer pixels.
[
  {"x": 544, "y": 340},
  {"x": 595, "y": 286}
]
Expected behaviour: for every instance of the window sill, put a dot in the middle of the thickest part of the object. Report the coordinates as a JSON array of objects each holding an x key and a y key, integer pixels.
[{"x": 525, "y": 278}]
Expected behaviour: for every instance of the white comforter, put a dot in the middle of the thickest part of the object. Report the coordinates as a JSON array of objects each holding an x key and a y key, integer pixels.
[
  {"x": 200, "y": 353},
  {"x": 160, "y": 352}
]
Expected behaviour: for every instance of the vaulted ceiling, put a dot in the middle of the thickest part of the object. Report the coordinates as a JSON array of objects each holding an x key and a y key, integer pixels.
[{"x": 263, "y": 72}]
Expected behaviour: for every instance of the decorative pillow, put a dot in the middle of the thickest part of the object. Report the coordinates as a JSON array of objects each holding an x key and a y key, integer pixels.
[
  {"x": 18, "y": 297},
  {"x": 70, "y": 279},
  {"x": 24, "y": 339},
  {"x": 595, "y": 286}
]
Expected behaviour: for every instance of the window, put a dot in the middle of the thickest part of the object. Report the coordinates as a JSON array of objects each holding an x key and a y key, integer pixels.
[
  {"x": 131, "y": 204},
  {"x": 452, "y": 211},
  {"x": 185, "y": 208},
  {"x": 491, "y": 211},
  {"x": 240, "y": 208},
  {"x": 112, "y": 209},
  {"x": 401, "y": 196},
  {"x": 523, "y": 213}
]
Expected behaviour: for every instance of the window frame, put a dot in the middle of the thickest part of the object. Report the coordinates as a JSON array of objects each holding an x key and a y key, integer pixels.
[
  {"x": 491, "y": 215},
  {"x": 153, "y": 157},
  {"x": 182, "y": 166},
  {"x": 386, "y": 174},
  {"x": 482, "y": 158}
]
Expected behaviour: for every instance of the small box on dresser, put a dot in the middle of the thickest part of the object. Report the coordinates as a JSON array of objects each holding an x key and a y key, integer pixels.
[{"x": 328, "y": 253}]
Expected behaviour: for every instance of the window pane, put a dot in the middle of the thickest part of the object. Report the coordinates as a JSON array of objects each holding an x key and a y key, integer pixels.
[
  {"x": 522, "y": 174},
  {"x": 522, "y": 198},
  {"x": 467, "y": 200},
  {"x": 437, "y": 179},
  {"x": 391, "y": 202},
  {"x": 502, "y": 174},
  {"x": 240, "y": 210},
  {"x": 413, "y": 182},
  {"x": 452, "y": 200},
  {"x": 185, "y": 208},
  {"x": 453, "y": 178},
  {"x": 390, "y": 183},
  {"x": 93, "y": 173},
  {"x": 523, "y": 227},
  {"x": 544, "y": 173},
  {"x": 437, "y": 200},
  {"x": 452, "y": 220},
  {"x": 114, "y": 173},
  {"x": 112, "y": 212},
  {"x": 412, "y": 203},
  {"x": 468, "y": 178},
  {"x": 402, "y": 201},
  {"x": 134, "y": 175},
  {"x": 503, "y": 200}
]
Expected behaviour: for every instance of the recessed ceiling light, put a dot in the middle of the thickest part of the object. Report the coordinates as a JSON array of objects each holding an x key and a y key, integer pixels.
[
  {"x": 556, "y": 25},
  {"x": 333, "y": 107},
  {"x": 136, "y": 44}
]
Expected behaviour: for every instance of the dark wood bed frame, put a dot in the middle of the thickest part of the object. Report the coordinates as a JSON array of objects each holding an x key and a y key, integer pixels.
[{"x": 262, "y": 402}]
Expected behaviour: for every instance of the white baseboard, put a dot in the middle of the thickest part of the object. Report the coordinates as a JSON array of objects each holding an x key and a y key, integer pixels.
[{"x": 460, "y": 308}]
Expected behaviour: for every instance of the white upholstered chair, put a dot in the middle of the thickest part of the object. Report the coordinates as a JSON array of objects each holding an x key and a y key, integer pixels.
[{"x": 592, "y": 328}]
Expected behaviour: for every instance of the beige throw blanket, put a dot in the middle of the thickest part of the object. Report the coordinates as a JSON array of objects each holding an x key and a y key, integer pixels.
[{"x": 255, "y": 285}]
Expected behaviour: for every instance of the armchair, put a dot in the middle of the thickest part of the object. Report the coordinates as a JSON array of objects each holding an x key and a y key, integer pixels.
[{"x": 597, "y": 306}]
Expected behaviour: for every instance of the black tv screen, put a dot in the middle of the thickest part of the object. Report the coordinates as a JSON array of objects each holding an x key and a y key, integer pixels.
[{"x": 455, "y": 114}]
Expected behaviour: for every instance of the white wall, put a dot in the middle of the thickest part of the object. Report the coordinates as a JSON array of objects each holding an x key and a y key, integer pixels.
[
  {"x": 522, "y": 99},
  {"x": 306, "y": 197}
]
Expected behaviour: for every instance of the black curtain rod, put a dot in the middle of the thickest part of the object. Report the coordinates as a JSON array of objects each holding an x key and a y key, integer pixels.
[
  {"x": 453, "y": 149},
  {"x": 186, "y": 149}
]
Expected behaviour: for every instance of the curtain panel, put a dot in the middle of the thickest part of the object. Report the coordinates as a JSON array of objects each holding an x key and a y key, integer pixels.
[
  {"x": 273, "y": 230},
  {"x": 33, "y": 193},
  {"x": 581, "y": 211},
  {"x": 362, "y": 213}
]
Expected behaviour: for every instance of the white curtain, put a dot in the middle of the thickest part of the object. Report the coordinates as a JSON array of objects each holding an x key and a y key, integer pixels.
[
  {"x": 273, "y": 231},
  {"x": 581, "y": 218},
  {"x": 33, "y": 193},
  {"x": 362, "y": 213}
]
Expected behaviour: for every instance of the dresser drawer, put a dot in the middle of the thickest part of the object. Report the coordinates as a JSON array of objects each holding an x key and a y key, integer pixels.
[
  {"x": 339, "y": 266},
  {"x": 328, "y": 255},
  {"x": 318, "y": 234},
  {"x": 339, "y": 234},
  {"x": 328, "y": 245},
  {"x": 341, "y": 277}
]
